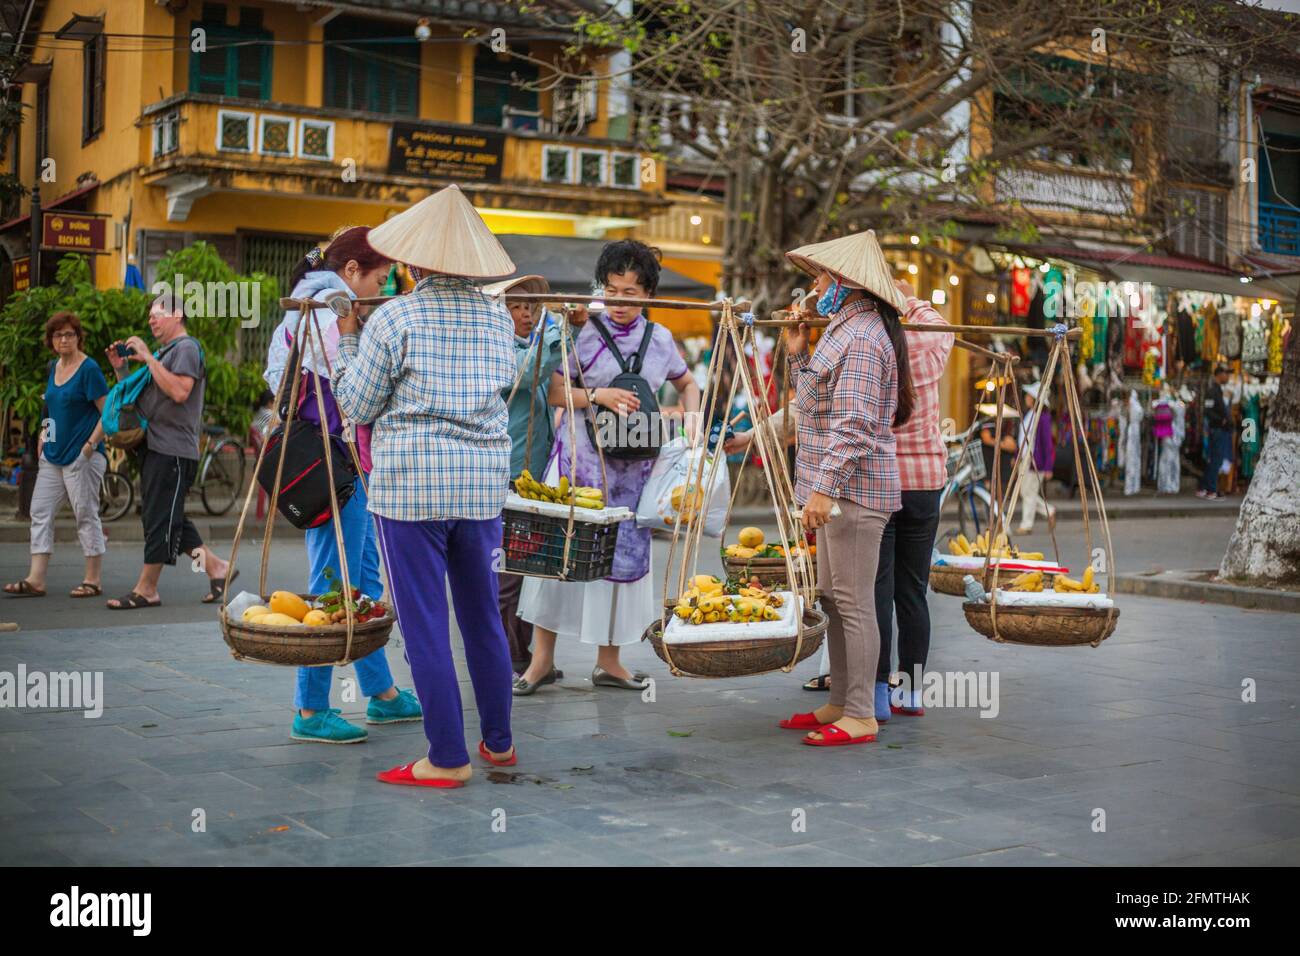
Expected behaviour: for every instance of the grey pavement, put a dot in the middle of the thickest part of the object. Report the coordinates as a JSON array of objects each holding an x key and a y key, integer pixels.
[{"x": 1149, "y": 730}]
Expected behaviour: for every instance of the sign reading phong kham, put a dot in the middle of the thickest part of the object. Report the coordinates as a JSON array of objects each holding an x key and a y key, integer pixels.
[
  {"x": 74, "y": 232},
  {"x": 446, "y": 152}
]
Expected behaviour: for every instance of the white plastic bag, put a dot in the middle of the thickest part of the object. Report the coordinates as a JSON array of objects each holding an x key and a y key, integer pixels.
[{"x": 670, "y": 490}]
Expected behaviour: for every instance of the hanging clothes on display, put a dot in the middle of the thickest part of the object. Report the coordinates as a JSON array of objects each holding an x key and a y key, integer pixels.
[
  {"x": 1230, "y": 333},
  {"x": 1134, "y": 332},
  {"x": 1252, "y": 434},
  {"x": 1274, "y": 365},
  {"x": 1036, "y": 319},
  {"x": 1021, "y": 294},
  {"x": 1133, "y": 446},
  {"x": 1167, "y": 419},
  {"x": 1085, "y": 307},
  {"x": 1209, "y": 334},
  {"x": 1254, "y": 345},
  {"x": 1187, "y": 350}
]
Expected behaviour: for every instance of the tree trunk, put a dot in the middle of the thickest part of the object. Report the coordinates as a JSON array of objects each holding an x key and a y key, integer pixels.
[{"x": 1265, "y": 545}]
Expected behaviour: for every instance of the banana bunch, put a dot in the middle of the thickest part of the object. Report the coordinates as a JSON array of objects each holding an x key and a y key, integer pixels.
[
  {"x": 1066, "y": 585},
  {"x": 564, "y": 494},
  {"x": 980, "y": 547},
  {"x": 1029, "y": 581},
  {"x": 707, "y": 602}
]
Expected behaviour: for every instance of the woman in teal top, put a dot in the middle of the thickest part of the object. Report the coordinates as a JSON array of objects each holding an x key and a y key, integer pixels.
[{"x": 71, "y": 456}]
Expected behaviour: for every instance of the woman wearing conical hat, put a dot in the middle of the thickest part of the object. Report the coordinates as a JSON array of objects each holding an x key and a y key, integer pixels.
[
  {"x": 428, "y": 372},
  {"x": 851, "y": 392}
]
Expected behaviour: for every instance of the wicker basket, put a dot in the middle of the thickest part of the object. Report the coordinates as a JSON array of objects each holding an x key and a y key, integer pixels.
[
  {"x": 304, "y": 646},
  {"x": 1043, "y": 626},
  {"x": 945, "y": 579},
  {"x": 740, "y": 658},
  {"x": 771, "y": 572}
]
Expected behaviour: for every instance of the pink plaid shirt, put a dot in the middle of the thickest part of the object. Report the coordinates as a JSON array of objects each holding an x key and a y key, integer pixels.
[
  {"x": 922, "y": 457},
  {"x": 847, "y": 392}
]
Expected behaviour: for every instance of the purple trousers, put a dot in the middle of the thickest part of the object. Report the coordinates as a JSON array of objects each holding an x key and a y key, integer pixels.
[{"x": 421, "y": 557}]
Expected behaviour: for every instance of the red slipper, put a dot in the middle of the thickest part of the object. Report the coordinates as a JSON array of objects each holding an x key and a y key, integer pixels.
[
  {"x": 907, "y": 711},
  {"x": 806, "y": 721},
  {"x": 508, "y": 762},
  {"x": 833, "y": 736},
  {"x": 403, "y": 777}
]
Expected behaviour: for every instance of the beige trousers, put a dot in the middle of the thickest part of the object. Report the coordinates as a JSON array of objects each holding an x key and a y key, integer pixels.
[
  {"x": 848, "y": 552},
  {"x": 78, "y": 483}
]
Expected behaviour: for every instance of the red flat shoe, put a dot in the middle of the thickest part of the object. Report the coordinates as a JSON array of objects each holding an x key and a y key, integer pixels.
[
  {"x": 806, "y": 721},
  {"x": 907, "y": 711},
  {"x": 508, "y": 762},
  {"x": 833, "y": 736},
  {"x": 403, "y": 777}
]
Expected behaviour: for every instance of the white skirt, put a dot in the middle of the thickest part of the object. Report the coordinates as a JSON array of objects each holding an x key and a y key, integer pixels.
[{"x": 595, "y": 612}]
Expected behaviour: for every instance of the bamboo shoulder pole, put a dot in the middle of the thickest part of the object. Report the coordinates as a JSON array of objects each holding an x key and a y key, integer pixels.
[
  {"x": 557, "y": 297},
  {"x": 780, "y": 320}
]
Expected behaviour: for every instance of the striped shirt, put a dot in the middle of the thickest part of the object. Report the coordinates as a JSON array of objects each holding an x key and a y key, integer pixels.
[
  {"x": 847, "y": 392},
  {"x": 429, "y": 369},
  {"x": 922, "y": 455}
]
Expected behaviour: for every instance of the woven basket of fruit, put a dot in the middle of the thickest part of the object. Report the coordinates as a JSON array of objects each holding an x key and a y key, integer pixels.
[
  {"x": 536, "y": 528},
  {"x": 306, "y": 631},
  {"x": 740, "y": 658},
  {"x": 752, "y": 557},
  {"x": 1043, "y": 626}
]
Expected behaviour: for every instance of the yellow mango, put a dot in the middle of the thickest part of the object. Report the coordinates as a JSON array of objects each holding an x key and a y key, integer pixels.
[
  {"x": 289, "y": 604},
  {"x": 275, "y": 619},
  {"x": 254, "y": 612},
  {"x": 316, "y": 618},
  {"x": 751, "y": 537}
]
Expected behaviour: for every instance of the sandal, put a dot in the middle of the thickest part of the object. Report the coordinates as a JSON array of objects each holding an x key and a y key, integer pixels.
[
  {"x": 820, "y": 682},
  {"x": 806, "y": 721},
  {"x": 23, "y": 589},
  {"x": 217, "y": 588},
  {"x": 503, "y": 762},
  {"x": 132, "y": 602},
  {"x": 86, "y": 589},
  {"x": 403, "y": 777},
  {"x": 833, "y": 736}
]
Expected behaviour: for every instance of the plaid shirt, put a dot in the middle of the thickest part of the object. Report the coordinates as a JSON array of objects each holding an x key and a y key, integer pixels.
[
  {"x": 922, "y": 456},
  {"x": 847, "y": 391},
  {"x": 429, "y": 369}
]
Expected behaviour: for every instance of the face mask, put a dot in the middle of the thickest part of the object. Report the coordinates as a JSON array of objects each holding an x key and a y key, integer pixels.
[{"x": 832, "y": 299}]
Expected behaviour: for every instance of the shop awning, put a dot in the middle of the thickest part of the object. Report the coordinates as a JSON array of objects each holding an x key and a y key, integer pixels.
[
  {"x": 569, "y": 265},
  {"x": 49, "y": 204}
]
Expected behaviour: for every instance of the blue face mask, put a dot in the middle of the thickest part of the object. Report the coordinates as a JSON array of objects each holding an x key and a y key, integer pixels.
[{"x": 832, "y": 299}]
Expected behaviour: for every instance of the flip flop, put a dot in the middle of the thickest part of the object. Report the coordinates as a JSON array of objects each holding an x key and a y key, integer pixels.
[
  {"x": 486, "y": 755},
  {"x": 132, "y": 602},
  {"x": 217, "y": 588},
  {"x": 403, "y": 777},
  {"x": 25, "y": 590},
  {"x": 820, "y": 682},
  {"x": 86, "y": 590},
  {"x": 806, "y": 721},
  {"x": 833, "y": 736}
]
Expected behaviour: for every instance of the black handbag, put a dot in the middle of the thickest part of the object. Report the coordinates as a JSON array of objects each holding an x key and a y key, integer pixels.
[
  {"x": 304, "y": 497},
  {"x": 638, "y": 435}
]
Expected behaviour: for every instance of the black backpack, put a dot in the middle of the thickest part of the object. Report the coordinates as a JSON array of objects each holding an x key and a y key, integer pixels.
[
  {"x": 638, "y": 435},
  {"x": 304, "y": 487}
]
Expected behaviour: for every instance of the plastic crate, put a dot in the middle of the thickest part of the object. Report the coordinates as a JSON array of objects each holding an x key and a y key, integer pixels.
[
  {"x": 973, "y": 455},
  {"x": 534, "y": 545}
]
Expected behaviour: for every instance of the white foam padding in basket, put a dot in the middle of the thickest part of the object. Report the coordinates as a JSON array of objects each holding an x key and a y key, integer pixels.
[
  {"x": 966, "y": 562},
  {"x": 1053, "y": 599},
  {"x": 551, "y": 509},
  {"x": 684, "y": 632}
]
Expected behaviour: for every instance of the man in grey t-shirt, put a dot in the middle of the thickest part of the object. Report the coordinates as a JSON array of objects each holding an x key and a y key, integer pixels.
[{"x": 169, "y": 459}]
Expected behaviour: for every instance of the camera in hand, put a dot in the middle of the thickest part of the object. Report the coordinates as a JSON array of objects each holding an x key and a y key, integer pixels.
[{"x": 123, "y": 351}]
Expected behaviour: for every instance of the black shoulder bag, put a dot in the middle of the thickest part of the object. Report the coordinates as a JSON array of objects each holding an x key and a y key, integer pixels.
[{"x": 638, "y": 435}]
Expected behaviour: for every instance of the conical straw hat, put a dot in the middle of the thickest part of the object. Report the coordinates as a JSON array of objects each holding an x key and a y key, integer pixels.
[
  {"x": 855, "y": 260},
  {"x": 529, "y": 283},
  {"x": 443, "y": 233}
]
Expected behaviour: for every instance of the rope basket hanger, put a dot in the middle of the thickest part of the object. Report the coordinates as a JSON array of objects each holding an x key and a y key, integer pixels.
[
  {"x": 302, "y": 646},
  {"x": 739, "y": 657}
]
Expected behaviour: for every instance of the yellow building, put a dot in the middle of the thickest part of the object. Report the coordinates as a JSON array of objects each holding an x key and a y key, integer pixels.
[{"x": 261, "y": 127}]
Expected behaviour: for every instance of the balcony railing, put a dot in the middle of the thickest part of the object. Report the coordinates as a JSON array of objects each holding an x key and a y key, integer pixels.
[
  {"x": 1279, "y": 229},
  {"x": 197, "y": 129}
]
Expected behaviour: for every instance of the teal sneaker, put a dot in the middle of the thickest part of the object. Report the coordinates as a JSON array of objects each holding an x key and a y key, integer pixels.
[
  {"x": 326, "y": 727},
  {"x": 401, "y": 709}
]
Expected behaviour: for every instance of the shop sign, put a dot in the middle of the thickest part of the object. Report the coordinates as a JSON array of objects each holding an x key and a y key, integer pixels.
[
  {"x": 979, "y": 310},
  {"x": 22, "y": 273},
  {"x": 446, "y": 152},
  {"x": 74, "y": 232}
]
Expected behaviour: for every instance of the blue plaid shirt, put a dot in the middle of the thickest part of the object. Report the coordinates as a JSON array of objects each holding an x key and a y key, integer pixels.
[{"x": 429, "y": 369}]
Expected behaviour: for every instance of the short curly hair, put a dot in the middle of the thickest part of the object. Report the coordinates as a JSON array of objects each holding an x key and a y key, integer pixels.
[
  {"x": 60, "y": 320},
  {"x": 629, "y": 255}
]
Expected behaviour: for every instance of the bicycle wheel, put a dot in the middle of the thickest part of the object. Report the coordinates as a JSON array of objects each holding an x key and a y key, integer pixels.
[
  {"x": 968, "y": 520},
  {"x": 116, "y": 495},
  {"x": 222, "y": 477}
]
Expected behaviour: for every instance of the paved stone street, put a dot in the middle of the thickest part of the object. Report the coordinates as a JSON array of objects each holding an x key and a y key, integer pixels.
[{"x": 1150, "y": 728}]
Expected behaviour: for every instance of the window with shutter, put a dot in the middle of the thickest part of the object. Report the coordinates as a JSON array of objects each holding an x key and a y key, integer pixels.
[
  {"x": 371, "y": 66},
  {"x": 94, "y": 53},
  {"x": 237, "y": 61}
]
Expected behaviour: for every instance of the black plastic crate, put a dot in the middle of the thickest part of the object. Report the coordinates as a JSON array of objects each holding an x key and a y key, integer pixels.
[{"x": 534, "y": 544}]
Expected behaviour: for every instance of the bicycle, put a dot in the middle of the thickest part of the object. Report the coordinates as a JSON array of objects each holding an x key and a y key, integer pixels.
[
  {"x": 966, "y": 474},
  {"x": 221, "y": 470},
  {"x": 116, "y": 488}
]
